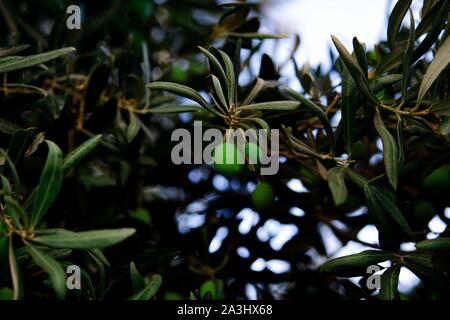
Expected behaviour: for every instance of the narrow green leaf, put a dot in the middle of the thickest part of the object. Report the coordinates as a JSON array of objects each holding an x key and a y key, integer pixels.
[
  {"x": 33, "y": 60},
  {"x": 393, "y": 59},
  {"x": 355, "y": 264},
  {"x": 52, "y": 267},
  {"x": 407, "y": 61},
  {"x": 212, "y": 288},
  {"x": 441, "y": 243},
  {"x": 316, "y": 110},
  {"x": 356, "y": 71},
  {"x": 85, "y": 239},
  {"x": 349, "y": 106},
  {"x": 133, "y": 127},
  {"x": 401, "y": 143},
  {"x": 80, "y": 153},
  {"x": 422, "y": 258},
  {"x": 12, "y": 169},
  {"x": 441, "y": 108},
  {"x": 259, "y": 86},
  {"x": 101, "y": 271},
  {"x": 136, "y": 279},
  {"x": 434, "y": 31},
  {"x": 150, "y": 289},
  {"x": 4, "y": 52},
  {"x": 215, "y": 65},
  {"x": 8, "y": 127},
  {"x": 10, "y": 206},
  {"x": 390, "y": 150},
  {"x": 15, "y": 211},
  {"x": 396, "y": 19},
  {"x": 219, "y": 91},
  {"x": 360, "y": 54},
  {"x": 336, "y": 183},
  {"x": 391, "y": 208},
  {"x": 180, "y": 90},
  {"x": 389, "y": 283},
  {"x": 16, "y": 276},
  {"x": 231, "y": 78},
  {"x": 386, "y": 233},
  {"x": 429, "y": 275},
  {"x": 439, "y": 63},
  {"x": 19, "y": 144},
  {"x": 380, "y": 83},
  {"x": 428, "y": 16},
  {"x": 49, "y": 183},
  {"x": 356, "y": 178},
  {"x": 272, "y": 105},
  {"x": 175, "y": 109},
  {"x": 254, "y": 35},
  {"x": 99, "y": 255},
  {"x": 301, "y": 147}
]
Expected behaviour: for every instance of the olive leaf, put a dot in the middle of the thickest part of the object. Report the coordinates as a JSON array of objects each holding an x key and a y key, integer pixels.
[
  {"x": 429, "y": 275},
  {"x": 150, "y": 289},
  {"x": 386, "y": 232},
  {"x": 137, "y": 280},
  {"x": 382, "y": 82},
  {"x": 439, "y": 63},
  {"x": 355, "y": 264},
  {"x": 86, "y": 239},
  {"x": 16, "y": 276},
  {"x": 360, "y": 54},
  {"x": 230, "y": 78},
  {"x": 356, "y": 71},
  {"x": 389, "y": 283},
  {"x": 390, "y": 150},
  {"x": 52, "y": 267},
  {"x": 407, "y": 61},
  {"x": 33, "y": 60},
  {"x": 336, "y": 183},
  {"x": 80, "y": 153},
  {"x": 49, "y": 183},
  {"x": 272, "y": 105},
  {"x": 434, "y": 30},
  {"x": 349, "y": 106},
  {"x": 13, "y": 50},
  {"x": 316, "y": 110},
  {"x": 396, "y": 19},
  {"x": 180, "y": 90},
  {"x": 441, "y": 243}
]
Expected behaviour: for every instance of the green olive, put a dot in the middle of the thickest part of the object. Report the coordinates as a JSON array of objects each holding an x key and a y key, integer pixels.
[
  {"x": 263, "y": 196},
  {"x": 439, "y": 179},
  {"x": 227, "y": 159}
]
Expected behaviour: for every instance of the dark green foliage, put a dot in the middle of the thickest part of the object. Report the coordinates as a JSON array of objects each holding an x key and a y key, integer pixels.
[{"x": 86, "y": 176}]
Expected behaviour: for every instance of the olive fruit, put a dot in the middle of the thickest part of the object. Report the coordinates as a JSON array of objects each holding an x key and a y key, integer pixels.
[
  {"x": 263, "y": 196},
  {"x": 227, "y": 159}
]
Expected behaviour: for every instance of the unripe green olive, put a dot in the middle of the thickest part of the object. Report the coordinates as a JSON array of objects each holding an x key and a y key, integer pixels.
[
  {"x": 227, "y": 159},
  {"x": 439, "y": 179},
  {"x": 263, "y": 196}
]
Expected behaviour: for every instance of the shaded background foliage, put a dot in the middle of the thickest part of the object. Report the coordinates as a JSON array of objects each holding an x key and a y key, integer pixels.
[{"x": 130, "y": 181}]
